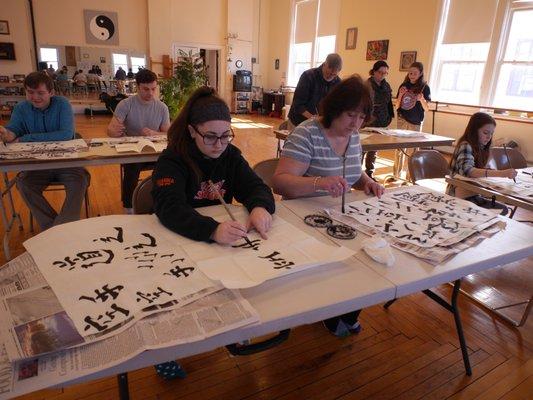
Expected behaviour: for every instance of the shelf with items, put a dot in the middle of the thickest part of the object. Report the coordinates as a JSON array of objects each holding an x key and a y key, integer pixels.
[{"x": 241, "y": 102}]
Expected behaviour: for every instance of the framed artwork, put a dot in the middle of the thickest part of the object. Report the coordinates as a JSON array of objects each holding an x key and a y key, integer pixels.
[
  {"x": 4, "y": 27},
  {"x": 406, "y": 59},
  {"x": 85, "y": 55},
  {"x": 102, "y": 60},
  {"x": 4, "y": 78},
  {"x": 101, "y": 27},
  {"x": 351, "y": 38},
  {"x": 19, "y": 77},
  {"x": 7, "y": 51},
  {"x": 377, "y": 50}
]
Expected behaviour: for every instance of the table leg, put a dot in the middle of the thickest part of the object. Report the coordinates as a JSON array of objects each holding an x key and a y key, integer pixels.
[
  {"x": 123, "y": 390},
  {"x": 8, "y": 223},
  {"x": 455, "y": 311}
]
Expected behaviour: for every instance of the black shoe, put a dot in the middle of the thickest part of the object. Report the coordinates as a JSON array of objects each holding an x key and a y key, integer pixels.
[{"x": 170, "y": 370}]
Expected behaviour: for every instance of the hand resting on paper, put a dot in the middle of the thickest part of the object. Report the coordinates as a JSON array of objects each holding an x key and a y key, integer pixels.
[
  {"x": 261, "y": 220},
  {"x": 7, "y": 136},
  {"x": 228, "y": 232},
  {"x": 334, "y": 185}
]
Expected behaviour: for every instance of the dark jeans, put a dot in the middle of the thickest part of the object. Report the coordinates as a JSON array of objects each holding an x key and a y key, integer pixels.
[
  {"x": 370, "y": 161},
  {"x": 131, "y": 179},
  {"x": 483, "y": 202}
]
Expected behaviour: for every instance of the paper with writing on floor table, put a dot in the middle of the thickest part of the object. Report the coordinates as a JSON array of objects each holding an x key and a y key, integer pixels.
[
  {"x": 287, "y": 250},
  {"x": 522, "y": 188},
  {"x": 419, "y": 216},
  {"x": 109, "y": 271}
]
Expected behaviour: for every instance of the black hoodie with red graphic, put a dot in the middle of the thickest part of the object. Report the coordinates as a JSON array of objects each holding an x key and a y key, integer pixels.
[{"x": 177, "y": 192}]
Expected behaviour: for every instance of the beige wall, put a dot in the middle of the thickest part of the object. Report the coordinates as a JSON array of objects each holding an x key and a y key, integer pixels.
[
  {"x": 407, "y": 27},
  {"x": 278, "y": 43},
  {"x": 17, "y": 14},
  {"x": 60, "y": 22}
]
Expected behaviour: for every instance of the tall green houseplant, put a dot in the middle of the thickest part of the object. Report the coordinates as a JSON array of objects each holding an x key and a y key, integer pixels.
[{"x": 189, "y": 75}]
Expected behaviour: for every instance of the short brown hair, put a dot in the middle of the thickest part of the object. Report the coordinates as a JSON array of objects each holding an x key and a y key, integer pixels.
[
  {"x": 350, "y": 94},
  {"x": 35, "y": 79},
  {"x": 145, "y": 76}
]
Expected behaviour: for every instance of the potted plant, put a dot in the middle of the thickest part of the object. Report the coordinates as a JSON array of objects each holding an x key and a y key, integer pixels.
[{"x": 189, "y": 75}]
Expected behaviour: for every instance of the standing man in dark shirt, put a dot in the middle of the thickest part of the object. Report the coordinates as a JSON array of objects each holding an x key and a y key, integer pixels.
[{"x": 313, "y": 85}]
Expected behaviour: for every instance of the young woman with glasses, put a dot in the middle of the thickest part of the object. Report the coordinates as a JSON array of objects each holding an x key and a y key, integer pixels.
[{"x": 200, "y": 150}]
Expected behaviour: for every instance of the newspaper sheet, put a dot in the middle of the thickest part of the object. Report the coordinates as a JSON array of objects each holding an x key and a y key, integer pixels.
[
  {"x": 522, "y": 188},
  {"x": 129, "y": 139},
  {"x": 396, "y": 132},
  {"x": 214, "y": 314}
]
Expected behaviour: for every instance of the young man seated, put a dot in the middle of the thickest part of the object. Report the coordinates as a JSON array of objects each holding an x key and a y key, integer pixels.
[
  {"x": 140, "y": 115},
  {"x": 43, "y": 117}
]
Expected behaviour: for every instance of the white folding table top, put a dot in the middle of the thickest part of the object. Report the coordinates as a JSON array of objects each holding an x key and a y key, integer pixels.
[{"x": 410, "y": 274}]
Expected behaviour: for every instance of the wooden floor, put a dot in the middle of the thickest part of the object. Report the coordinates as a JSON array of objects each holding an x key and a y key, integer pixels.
[{"x": 408, "y": 352}]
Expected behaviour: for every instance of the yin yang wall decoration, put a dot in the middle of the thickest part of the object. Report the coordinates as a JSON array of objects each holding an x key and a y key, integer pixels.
[{"x": 101, "y": 27}]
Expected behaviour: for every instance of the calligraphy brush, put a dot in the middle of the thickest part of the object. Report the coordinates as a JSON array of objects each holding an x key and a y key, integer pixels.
[
  {"x": 508, "y": 159},
  {"x": 343, "y": 177},
  {"x": 221, "y": 199}
]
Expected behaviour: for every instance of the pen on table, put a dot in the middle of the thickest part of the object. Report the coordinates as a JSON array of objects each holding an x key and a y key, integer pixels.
[
  {"x": 221, "y": 199},
  {"x": 508, "y": 159}
]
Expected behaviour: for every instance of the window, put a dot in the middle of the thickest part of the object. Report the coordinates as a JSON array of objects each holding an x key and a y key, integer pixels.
[
  {"x": 515, "y": 76},
  {"x": 120, "y": 60},
  {"x": 485, "y": 66},
  {"x": 49, "y": 56},
  {"x": 314, "y": 26},
  {"x": 137, "y": 62},
  {"x": 460, "y": 71}
]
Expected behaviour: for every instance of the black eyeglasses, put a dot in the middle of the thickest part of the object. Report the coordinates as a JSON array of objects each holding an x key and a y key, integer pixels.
[{"x": 210, "y": 138}]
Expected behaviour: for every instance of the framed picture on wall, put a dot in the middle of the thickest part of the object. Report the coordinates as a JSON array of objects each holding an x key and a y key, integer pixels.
[
  {"x": 4, "y": 27},
  {"x": 4, "y": 78},
  {"x": 406, "y": 59},
  {"x": 351, "y": 38},
  {"x": 7, "y": 51},
  {"x": 102, "y": 60},
  {"x": 377, "y": 50}
]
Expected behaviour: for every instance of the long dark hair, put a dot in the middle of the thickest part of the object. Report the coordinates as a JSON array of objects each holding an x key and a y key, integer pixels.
[
  {"x": 350, "y": 94},
  {"x": 420, "y": 82},
  {"x": 179, "y": 137},
  {"x": 471, "y": 136}
]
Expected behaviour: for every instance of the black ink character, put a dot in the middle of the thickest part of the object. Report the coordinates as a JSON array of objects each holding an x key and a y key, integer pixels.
[
  {"x": 141, "y": 245},
  {"x": 96, "y": 256},
  {"x": 254, "y": 245},
  {"x": 119, "y": 238},
  {"x": 179, "y": 271},
  {"x": 151, "y": 297},
  {"x": 104, "y": 294},
  {"x": 279, "y": 262},
  {"x": 102, "y": 325}
]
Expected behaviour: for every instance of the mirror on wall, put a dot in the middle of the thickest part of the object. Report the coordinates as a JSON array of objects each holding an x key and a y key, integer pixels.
[{"x": 84, "y": 58}]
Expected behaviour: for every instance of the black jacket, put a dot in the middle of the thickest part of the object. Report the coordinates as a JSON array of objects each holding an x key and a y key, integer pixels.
[
  {"x": 383, "y": 110},
  {"x": 311, "y": 88},
  {"x": 177, "y": 193}
]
